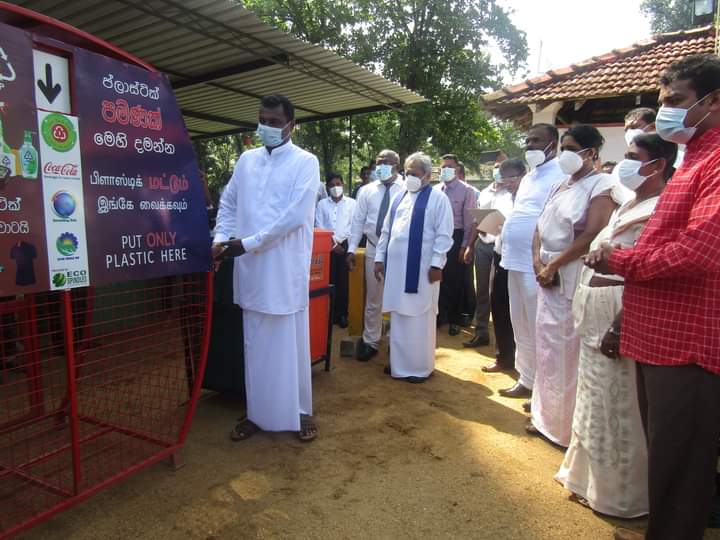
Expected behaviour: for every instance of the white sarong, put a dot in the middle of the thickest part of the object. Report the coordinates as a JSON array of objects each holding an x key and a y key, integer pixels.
[
  {"x": 412, "y": 344},
  {"x": 278, "y": 382}
]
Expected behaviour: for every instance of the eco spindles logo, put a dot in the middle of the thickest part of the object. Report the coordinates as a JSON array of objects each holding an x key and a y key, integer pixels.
[
  {"x": 59, "y": 280},
  {"x": 58, "y": 132},
  {"x": 66, "y": 244}
]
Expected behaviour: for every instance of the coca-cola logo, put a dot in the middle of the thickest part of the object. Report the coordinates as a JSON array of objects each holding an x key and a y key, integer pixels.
[{"x": 61, "y": 169}]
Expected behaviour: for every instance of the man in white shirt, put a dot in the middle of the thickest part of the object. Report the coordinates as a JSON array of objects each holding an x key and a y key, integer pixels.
[
  {"x": 266, "y": 221},
  {"x": 416, "y": 236},
  {"x": 335, "y": 214},
  {"x": 373, "y": 203},
  {"x": 540, "y": 153}
]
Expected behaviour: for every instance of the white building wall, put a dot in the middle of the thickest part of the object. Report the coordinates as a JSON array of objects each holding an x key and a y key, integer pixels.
[
  {"x": 614, "y": 149},
  {"x": 615, "y": 146}
]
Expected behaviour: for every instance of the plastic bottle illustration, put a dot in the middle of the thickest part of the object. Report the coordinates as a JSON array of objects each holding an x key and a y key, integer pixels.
[
  {"x": 8, "y": 160},
  {"x": 28, "y": 158}
]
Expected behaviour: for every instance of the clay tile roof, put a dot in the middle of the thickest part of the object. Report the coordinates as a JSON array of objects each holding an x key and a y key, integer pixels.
[{"x": 630, "y": 70}]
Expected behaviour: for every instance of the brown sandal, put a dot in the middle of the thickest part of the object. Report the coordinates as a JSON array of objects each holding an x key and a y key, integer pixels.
[
  {"x": 308, "y": 430},
  {"x": 244, "y": 430}
]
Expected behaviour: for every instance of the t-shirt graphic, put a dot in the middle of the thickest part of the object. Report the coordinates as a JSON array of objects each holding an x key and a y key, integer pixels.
[{"x": 24, "y": 255}]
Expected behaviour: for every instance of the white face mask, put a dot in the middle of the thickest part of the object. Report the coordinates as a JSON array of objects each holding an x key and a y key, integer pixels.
[
  {"x": 628, "y": 171},
  {"x": 670, "y": 123},
  {"x": 535, "y": 158},
  {"x": 630, "y": 135},
  {"x": 571, "y": 162},
  {"x": 270, "y": 136},
  {"x": 447, "y": 174},
  {"x": 413, "y": 183},
  {"x": 384, "y": 172},
  {"x": 336, "y": 191}
]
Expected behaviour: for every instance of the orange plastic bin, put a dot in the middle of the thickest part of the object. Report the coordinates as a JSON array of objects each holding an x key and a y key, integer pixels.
[{"x": 321, "y": 298}]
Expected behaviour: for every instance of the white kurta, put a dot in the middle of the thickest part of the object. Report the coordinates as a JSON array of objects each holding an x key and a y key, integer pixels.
[
  {"x": 606, "y": 462},
  {"x": 556, "y": 341},
  {"x": 269, "y": 203},
  {"x": 412, "y": 324},
  {"x": 364, "y": 222},
  {"x": 336, "y": 217}
]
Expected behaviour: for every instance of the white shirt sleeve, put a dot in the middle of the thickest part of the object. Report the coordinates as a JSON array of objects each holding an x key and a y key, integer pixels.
[
  {"x": 304, "y": 195},
  {"x": 358, "y": 220},
  {"x": 344, "y": 220},
  {"x": 444, "y": 224},
  {"x": 226, "y": 220},
  {"x": 318, "y": 216}
]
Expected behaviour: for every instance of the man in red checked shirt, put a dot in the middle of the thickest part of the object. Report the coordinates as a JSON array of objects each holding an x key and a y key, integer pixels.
[{"x": 671, "y": 319}]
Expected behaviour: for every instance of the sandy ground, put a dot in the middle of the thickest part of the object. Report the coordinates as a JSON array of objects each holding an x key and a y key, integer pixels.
[{"x": 447, "y": 459}]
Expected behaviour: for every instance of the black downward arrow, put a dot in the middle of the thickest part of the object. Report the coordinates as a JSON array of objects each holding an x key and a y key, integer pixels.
[{"x": 49, "y": 90}]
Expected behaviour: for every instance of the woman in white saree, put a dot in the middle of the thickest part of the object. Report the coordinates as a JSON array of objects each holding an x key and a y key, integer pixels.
[
  {"x": 576, "y": 211},
  {"x": 605, "y": 466}
]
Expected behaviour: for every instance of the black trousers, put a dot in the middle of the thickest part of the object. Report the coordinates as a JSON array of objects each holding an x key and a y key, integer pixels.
[
  {"x": 452, "y": 286},
  {"x": 500, "y": 309},
  {"x": 339, "y": 278},
  {"x": 680, "y": 406}
]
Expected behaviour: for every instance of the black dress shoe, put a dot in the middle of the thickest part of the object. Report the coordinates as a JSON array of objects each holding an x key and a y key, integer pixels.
[
  {"x": 416, "y": 380},
  {"x": 516, "y": 391},
  {"x": 343, "y": 322},
  {"x": 478, "y": 340},
  {"x": 387, "y": 371},
  {"x": 454, "y": 330},
  {"x": 527, "y": 406},
  {"x": 365, "y": 352}
]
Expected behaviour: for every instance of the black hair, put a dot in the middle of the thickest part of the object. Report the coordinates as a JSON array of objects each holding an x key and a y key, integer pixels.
[
  {"x": 609, "y": 164},
  {"x": 277, "y": 100},
  {"x": 365, "y": 168},
  {"x": 646, "y": 114},
  {"x": 587, "y": 136},
  {"x": 702, "y": 71},
  {"x": 451, "y": 157},
  {"x": 461, "y": 167},
  {"x": 516, "y": 165},
  {"x": 332, "y": 176},
  {"x": 658, "y": 148},
  {"x": 551, "y": 130}
]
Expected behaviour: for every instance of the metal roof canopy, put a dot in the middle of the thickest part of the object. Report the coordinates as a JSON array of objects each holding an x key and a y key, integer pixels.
[{"x": 221, "y": 59}]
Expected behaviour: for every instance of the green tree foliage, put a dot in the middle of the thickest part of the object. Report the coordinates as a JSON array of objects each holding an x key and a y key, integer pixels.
[
  {"x": 217, "y": 158},
  {"x": 668, "y": 15},
  {"x": 437, "y": 48}
]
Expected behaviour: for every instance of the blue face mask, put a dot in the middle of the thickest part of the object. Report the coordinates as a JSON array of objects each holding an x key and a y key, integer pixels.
[
  {"x": 447, "y": 174},
  {"x": 670, "y": 123},
  {"x": 384, "y": 172},
  {"x": 270, "y": 136}
]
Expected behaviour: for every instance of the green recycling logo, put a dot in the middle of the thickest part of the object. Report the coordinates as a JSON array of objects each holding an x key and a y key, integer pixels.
[
  {"x": 58, "y": 132},
  {"x": 59, "y": 279}
]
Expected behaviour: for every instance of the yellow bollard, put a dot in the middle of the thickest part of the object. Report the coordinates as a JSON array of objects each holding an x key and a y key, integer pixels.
[{"x": 356, "y": 295}]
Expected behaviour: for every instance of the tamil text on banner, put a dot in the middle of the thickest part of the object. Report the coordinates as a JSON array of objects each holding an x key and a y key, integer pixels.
[{"x": 144, "y": 201}]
